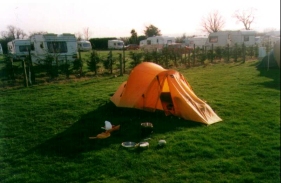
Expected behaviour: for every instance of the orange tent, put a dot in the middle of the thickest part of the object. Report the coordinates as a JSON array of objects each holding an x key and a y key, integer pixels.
[{"x": 151, "y": 87}]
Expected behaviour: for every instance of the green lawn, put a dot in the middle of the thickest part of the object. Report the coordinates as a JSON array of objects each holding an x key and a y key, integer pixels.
[{"x": 44, "y": 132}]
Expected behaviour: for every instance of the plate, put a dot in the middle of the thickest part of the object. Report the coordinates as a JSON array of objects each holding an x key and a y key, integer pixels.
[{"x": 128, "y": 144}]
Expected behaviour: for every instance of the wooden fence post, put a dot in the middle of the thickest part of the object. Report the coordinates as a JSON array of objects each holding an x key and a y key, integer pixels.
[
  {"x": 212, "y": 52},
  {"x": 123, "y": 60},
  {"x": 121, "y": 66},
  {"x": 243, "y": 52},
  {"x": 24, "y": 72},
  {"x": 81, "y": 64},
  {"x": 185, "y": 58},
  {"x": 31, "y": 69},
  {"x": 193, "y": 54},
  {"x": 66, "y": 68},
  {"x": 227, "y": 52},
  {"x": 10, "y": 67},
  {"x": 189, "y": 58}
]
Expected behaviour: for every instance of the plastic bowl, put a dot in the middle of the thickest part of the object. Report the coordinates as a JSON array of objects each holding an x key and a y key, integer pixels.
[
  {"x": 147, "y": 125},
  {"x": 128, "y": 144},
  {"x": 162, "y": 142}
]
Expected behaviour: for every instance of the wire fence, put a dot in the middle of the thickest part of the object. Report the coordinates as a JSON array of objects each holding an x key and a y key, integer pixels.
[{"x": 119, "y": 62}]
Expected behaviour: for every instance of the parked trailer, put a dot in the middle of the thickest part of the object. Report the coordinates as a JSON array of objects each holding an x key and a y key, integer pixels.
[
  {"x": 197, "y": 41},
  {"x": 115, "y": 44},
  {"x": 269, "y": 40},
  {"x": 142, "y": 43},
  {"x": 224, "y": 38},
  {"x": 18, "y": 48},
  {"x": 164, "y": 40},
  {"x": 62, "y": 48},
  {"x": 156, "y": 43},
  {"x": 84, "y": 45}
]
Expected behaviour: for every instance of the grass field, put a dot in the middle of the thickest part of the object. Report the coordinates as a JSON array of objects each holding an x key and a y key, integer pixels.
[{"x": 44, "y": 132}]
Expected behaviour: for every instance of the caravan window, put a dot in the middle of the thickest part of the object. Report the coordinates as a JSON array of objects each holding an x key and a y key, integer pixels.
[
  {"x": 57, "y": 47},
  {"x": 86, "y": 45},
  {"x": 148, "y": 42},
  {"x": 24, "y": 48},
  {"x": 246, "y": 38},
  {"x": 169, "y": 41},
  {"x": 213, "y": 39}
]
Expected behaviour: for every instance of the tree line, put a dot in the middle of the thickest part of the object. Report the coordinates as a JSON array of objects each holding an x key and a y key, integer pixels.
[{"x": 212, "y": 23}]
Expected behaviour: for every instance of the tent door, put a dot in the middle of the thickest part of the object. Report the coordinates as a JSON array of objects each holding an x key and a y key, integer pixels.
[{"x": 167, "y": 103}]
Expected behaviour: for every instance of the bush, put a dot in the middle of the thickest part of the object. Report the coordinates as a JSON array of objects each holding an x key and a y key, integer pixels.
[
  {"x": 93, "y": 61},
  {"x": 136, "y": 57},
  {"x": 108, "y": 62}
]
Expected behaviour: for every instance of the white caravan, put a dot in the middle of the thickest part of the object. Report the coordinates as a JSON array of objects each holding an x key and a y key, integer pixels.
[
  {"x": 115, "y": 44},
  {"x": 268, "y": 40},
  {"x": 142, "y": 43},
  {"x": 156, "y": 43},
  {"x": 18, "y": 48},
  {"x": 84, "y": 45},
  {"x": 197, "y": 41},
  {"x": 163, "y": 40},
  {"x": 63, "y": 48},
  {"x": 224, "y": 38}
]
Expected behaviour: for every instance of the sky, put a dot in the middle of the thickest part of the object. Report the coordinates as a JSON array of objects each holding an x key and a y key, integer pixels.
[{"x": 116, "y": 18}]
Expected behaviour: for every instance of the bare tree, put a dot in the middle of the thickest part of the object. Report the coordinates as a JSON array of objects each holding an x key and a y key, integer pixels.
[
  {"x": 13, "y": 33},
  {"x": 38, "y": 32},
  {"x": 5, "y": 35},
  {"x": 20, "y": 34},
  {"x": 78, "y": 35},
  {"x": 246, "y": 17},
  {"x": 87, "y": 33},
  {"x": 214, "y": 22}
]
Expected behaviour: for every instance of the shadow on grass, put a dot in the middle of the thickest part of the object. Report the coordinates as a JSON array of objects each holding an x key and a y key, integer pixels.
[
  {"x": 75, "y": 140},
  {"x": 274, "y": 74}
]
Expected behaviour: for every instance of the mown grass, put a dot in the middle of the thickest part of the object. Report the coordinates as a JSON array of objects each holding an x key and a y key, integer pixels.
[{"x": 44, "y": 132}]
